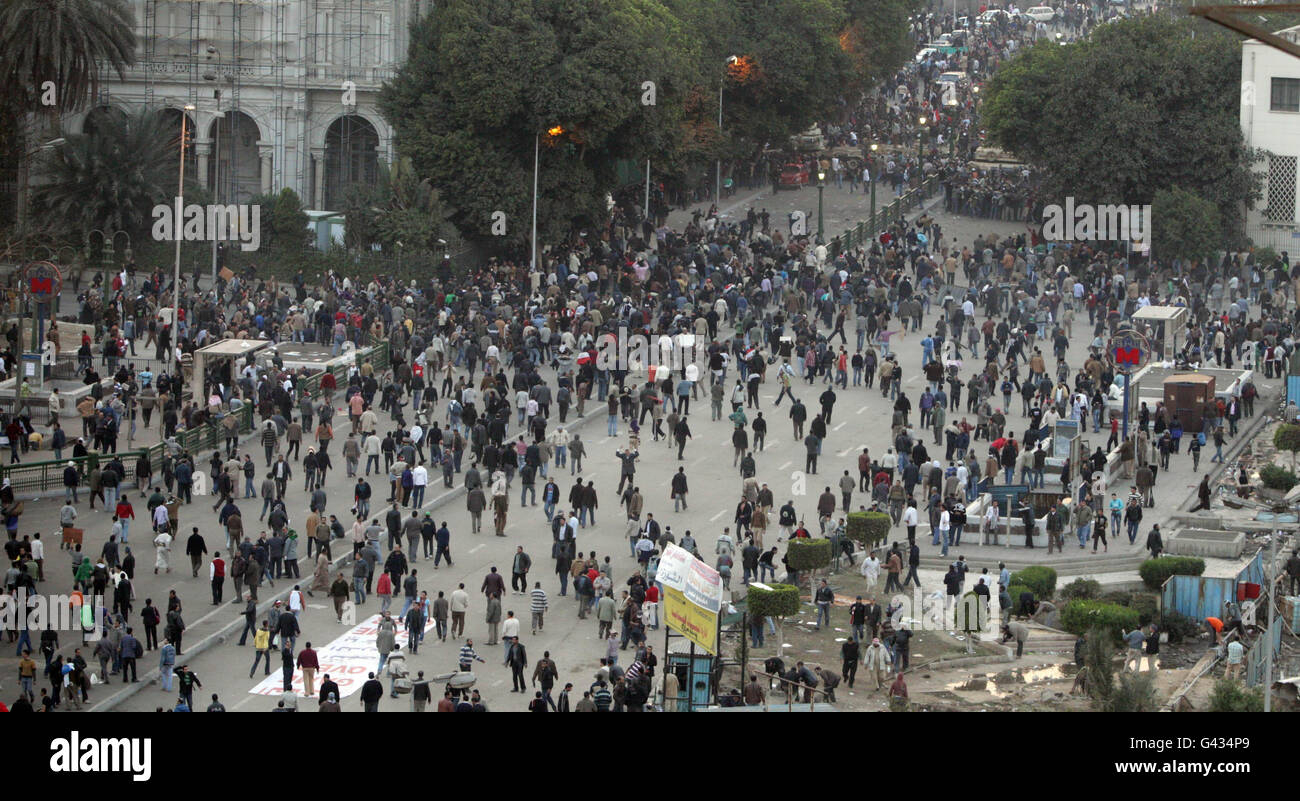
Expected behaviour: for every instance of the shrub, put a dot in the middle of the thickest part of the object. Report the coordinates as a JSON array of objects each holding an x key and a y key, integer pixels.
[
  {"x": 1146, "y": 605},
  {"x": 1278, "y": 478},
  {"x": 779, "y": 601},
  {"x": 1180, "y": 627},
  {"x": 1042, "y": 580},
  {"x": 1287, "y": 438},
  {"x": 1080, "y": 616},
  {"x": 1081, "y": 590},
  {"x": 1229, "y": 696},
  {"x": 1099, "y": 666},
  {"x": 1155, "y": 572},
  {"x": 1014, "y": 591},
  {"x": 869, "y": 528},
  {"x": 1134, "y": 692},
  {"x": 809, "y": 554}
]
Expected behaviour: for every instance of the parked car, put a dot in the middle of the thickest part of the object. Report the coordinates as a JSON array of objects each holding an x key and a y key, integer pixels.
[
  {"x": 1041, "y": 13},
  {"x": 924, "y": 53},
  {"x": 990, "y": 17}
]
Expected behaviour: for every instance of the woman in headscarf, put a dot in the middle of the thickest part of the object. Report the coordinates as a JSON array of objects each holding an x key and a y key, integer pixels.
[{"x": 321, "y": 577}]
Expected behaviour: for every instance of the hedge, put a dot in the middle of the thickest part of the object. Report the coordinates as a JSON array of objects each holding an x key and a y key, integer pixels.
[
  {"x": 869, "y": 528},
  {"x": 1014, "y": 591},
  {"x": 781, "y": 600},
  {"x": 1082, "y": 590},
  {"x": 1042, "y": 580},
  {"x": 1154, "y": 572},
  {"x": 1079, "y": 616},
  {"x": 808, "y": 554},
  {"x": 1180, "y": 627}
]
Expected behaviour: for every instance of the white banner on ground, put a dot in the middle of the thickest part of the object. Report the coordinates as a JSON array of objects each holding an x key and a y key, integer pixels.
[{"x": 348, "y": 659}]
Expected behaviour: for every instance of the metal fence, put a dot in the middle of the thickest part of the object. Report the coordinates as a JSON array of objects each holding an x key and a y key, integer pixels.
[
  {"x": 868, "y": 229},
  {"x": 47, "y": 476}
]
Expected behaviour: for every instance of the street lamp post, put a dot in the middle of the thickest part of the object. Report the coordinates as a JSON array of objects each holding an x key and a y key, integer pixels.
[
  {"x": 216, "y": 149},
  {"x": 872, "y": 174},
  {"x": 821, "y": 187},
  {"x": 717, "y": 183},
  {"x": 920, "y": 141},
  {"x": 176, "y": 275},
  {"x": 532, "y": 246}
]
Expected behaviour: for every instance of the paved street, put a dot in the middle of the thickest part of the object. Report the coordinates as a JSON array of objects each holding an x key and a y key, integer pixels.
[{"x": 714, "y": 490}]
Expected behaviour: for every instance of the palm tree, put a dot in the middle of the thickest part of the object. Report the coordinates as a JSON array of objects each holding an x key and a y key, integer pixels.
[
  {"x": 51, "y": 53},
  {"x": 109, "y": 179}
]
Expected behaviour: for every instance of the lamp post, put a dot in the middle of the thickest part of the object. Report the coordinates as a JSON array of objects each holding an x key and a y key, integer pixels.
[
  {"x": 872, "y": 175},
  {"x": 537, "y": 146},
  {"x": 176, "y": 275},
  {"x": 216, "y": 147},
  {"x": 920, "y": 141},
  {"x": 821, "y": 187},
  {"x": 717, "y": 183}
]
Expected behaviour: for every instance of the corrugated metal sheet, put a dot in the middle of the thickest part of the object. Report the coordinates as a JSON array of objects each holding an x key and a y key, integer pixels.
[
  {"x": 1293, "y": 389},
  {"x": 1257, "y": 655},
  {"x": 1198, "y": 597}
]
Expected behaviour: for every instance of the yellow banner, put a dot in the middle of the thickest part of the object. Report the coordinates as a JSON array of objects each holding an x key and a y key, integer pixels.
[{"x": 695, "y": 623}]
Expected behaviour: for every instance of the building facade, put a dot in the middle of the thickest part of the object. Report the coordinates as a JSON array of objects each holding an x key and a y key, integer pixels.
[
  {"x": 284, "y": 91},
  {"x": 1270, "y": 121}
]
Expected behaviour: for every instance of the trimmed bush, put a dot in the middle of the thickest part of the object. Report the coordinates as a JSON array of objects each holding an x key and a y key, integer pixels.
[
  {"x": 809, "y": 553},
  {"x": 1278, "y": 478},
  {"x": 1014, "y": 591},
  {"x": 1146, "y": 605},
  {"x": 1154, "y": 572},
  {"x": 1180, "y": 627},
  {"x": 1042, "y": 580},
  {"x": 1229, "y": 696},
  {"x": 869, "y": 528},
  {"x": 1081, "y": 590},
  {"x": 1079, "y": 616},
  {"x": 781, "y": 600}
]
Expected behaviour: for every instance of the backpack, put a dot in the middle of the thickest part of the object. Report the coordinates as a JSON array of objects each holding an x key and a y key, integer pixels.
[{"x": 1200, "y": 438}]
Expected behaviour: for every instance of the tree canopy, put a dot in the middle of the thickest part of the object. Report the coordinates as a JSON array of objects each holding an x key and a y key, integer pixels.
[
  {"x": 1137, "y": 107},
  {"x": 486, "y": 79}
]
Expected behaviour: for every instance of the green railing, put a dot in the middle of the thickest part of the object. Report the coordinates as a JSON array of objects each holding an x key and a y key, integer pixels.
[
  {"x": 47, "y": 476},
  {"x": 868, "y": 229}
]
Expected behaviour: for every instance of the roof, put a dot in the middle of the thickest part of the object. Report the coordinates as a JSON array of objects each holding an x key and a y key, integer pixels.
[
  {"x": 233, "y": 347},
  {"x": 1190, "y": 378},
  {"x": 1160, "y": 313}
]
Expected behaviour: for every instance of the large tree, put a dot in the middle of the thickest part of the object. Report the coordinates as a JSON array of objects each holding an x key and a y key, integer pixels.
[
  {"x": 1139, "y": 106},
  {"x": 109, "y": 179},
  {"x": 486, "y": 79},
  {"x": 53, "y": 54}
]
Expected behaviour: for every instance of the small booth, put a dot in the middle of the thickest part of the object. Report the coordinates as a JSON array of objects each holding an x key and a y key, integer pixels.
[
  {"x": 1186, "y": 396},
  {"x": 1163, "y": 327},
  {"x": 230, "y": 352}
]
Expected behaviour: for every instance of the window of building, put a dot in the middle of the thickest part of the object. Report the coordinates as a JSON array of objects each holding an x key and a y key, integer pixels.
[
  {"x": 1281, "y": 187},
  {"x": 1285, "y": 95}
]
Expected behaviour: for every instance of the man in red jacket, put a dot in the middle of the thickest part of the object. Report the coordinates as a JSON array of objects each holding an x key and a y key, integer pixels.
[{"x": 308, "y": 664}]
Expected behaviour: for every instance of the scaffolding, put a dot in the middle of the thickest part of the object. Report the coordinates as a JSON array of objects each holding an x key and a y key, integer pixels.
[{"x": 302, "y": 51}]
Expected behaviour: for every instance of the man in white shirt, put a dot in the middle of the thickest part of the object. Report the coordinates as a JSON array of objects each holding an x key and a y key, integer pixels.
[{"x": 419, "y": 480}]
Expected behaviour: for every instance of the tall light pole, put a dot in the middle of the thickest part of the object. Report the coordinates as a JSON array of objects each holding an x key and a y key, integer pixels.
[
  {"x": 216, "y": 149},
  {"x": 821, "y": 187},
  {"x": 872, "y": 174},
  {"x": 532, "y": 246},
  {"x": 920, "y": 139},
  {"x": 717, "y": 184},
  {"x": 537, "y": 146},
  {"x": 176, "y": 276}
]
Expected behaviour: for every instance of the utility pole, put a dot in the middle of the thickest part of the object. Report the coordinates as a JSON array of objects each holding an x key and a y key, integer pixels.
[{"x": 1271, "y": 575}]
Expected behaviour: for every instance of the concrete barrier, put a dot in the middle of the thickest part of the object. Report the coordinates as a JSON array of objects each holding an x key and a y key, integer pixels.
[{"x": 1206, "y": 542}]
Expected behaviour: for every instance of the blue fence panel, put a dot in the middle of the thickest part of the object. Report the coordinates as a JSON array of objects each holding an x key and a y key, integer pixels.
[
  {"x": 1293, "y": 389},
  {"x": 1198, "y": 597},
  {"x": 1253, "y": 572}
]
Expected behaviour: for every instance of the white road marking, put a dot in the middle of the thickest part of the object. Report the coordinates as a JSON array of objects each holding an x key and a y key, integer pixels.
[
  {"x": 477, "y": 547},
  {"x": 719, "y": 514},
  {"x": 838, "y": 427},
  {"x": 784, "y": 466},
  {"x": 863, "y": 409}
]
